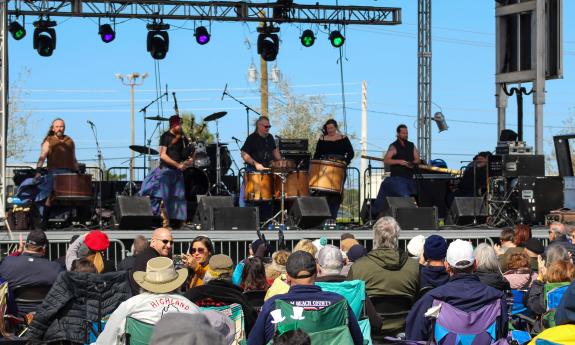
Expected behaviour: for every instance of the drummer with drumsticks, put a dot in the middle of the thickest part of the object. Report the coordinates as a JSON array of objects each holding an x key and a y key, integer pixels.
[
  {"x": 165, "y": 184},
  {"x": 333, "y": 146}
]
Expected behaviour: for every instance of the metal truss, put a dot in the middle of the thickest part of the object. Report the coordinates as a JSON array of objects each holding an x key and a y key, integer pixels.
[
  {"x": 225, "y": 11},
  {"x": 424, "y": 79}
]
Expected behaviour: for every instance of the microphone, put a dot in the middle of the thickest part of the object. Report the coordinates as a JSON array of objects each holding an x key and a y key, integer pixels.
[
  {"x": 91, "y": 123},
  {"x": 224, "y": 93},
  {"x": 236, "y": 139}
]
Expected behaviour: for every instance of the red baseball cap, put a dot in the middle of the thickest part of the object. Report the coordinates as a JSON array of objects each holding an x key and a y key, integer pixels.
[{"x": 97, "y": 240}]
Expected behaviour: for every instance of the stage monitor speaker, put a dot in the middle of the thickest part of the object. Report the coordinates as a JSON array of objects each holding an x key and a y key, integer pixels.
[
  {"x": 205, "y": 211},
  {"x": 468, "y": 210},
  {"x": 422, "y": 218},
  {"x": 365, "y": 209},
  {"x": 236, "y": 218},
  {"x": 135, "y": 213},
  {"x": 309, "y": 212},
  {"x": 393, "y": 203}
]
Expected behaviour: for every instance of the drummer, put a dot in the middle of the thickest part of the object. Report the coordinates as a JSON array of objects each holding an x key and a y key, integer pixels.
[
  {"x": 60, "y": 151},
  {"x": 166, "y": 183},
  {"x": 258, "y": 151},
  {"x": 332, "y": 145}
]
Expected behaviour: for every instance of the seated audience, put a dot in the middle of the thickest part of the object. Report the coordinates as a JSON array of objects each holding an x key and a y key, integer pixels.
[
  {"x": 355, "y": 252},
  {"x": 84, "y": 265},
  {"x": 201, "y": 250},
  {"x": 533, "y": 248},
  {"x": 506, "y": 241},
  {"x": 257, "y": 248},
  {"x": 159, "y": 285},
  {"x": 301, "y": 274},
  {"x": 565, "y": 313},
  {"x": 305, "y": 245},
  {"x": 160, "y": 245},
  {"x": 218, "y": 289},
  {"x": 558, "y": 236},
  {"x": 90, "y": 246},
  {"x": 206, "y": 328},
  {"x": 415, "y": 246},
  {"x": 277, "y": 266},
  {"x": 488, "y": 268},
  {"x": 330, "y": 263},
  {"x": 254, "y": 275},
  {"x": 522, "y": 235},
  {"x": 432, "y": 272},
  {"x": 139, "y": 245},
  {"x": 62, "y": 259},
  {"x": 464, "y": 291},
  {"x": 295, "y": 337},
  {"x": 519, "y": 273}
]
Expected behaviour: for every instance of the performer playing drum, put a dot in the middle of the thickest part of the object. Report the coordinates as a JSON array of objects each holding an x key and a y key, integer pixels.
[
  {"x": 258, "y": 151},
  {"x": 166, "y": 183},
  {"x": 333, "y": 146},
  {"x": 401, "y": 157}
]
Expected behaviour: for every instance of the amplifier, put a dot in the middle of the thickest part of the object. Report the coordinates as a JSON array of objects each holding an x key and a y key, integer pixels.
[
  {"x": 301, "y": 159},
  {"x": 293, "y": 145},
  {"x": 536, "y": 197},
  {"x": 517, "y": 165},
  {"x": 513, "y": 148}
]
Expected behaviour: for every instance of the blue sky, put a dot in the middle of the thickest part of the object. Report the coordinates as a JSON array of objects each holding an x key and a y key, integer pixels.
[{"x": 78, "y": 84}]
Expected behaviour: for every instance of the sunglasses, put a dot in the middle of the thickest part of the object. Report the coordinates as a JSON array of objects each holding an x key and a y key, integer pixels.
[
  {"x": 165, "y": 242},
  {"x": 267, "y": 127},
  {"x": 199, "y": 250}
]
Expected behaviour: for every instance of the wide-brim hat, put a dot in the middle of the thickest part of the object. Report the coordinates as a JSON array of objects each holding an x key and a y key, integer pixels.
[{"x": 161, "y": 276}]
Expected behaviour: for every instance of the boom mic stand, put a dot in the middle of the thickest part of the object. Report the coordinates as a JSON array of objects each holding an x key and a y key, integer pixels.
[
  {"x": 248, "y": 108},
  {"x": 101, "y": 171},
  {"x": 143, "y": 111}
]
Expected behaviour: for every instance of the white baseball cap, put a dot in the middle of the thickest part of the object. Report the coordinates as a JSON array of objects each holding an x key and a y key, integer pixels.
[
  {"x": 415, "y": 245},
  {"x": 460, "y": 254}
]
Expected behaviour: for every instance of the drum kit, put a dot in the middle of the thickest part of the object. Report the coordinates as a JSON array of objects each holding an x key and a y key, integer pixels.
[{"x": 284, "y": 181}]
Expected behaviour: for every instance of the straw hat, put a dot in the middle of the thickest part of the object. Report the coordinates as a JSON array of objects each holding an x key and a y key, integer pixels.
[{"x": 161, "y": 276}]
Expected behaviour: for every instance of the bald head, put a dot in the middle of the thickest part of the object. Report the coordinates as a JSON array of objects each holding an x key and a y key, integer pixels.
[{"x": 162, "y": 241}]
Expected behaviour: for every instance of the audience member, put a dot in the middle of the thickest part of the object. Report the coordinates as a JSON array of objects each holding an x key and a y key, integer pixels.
[
  {"x": 277, "y": 266},
  {"x": 558, "y": 236},
  {"x": 572, "y": 235},
  {"x": 519, "y": 273},
  {"x": 256, "y": 248},
  {"x": 565, "y": 313},
  {"x": 330, "y": 263},
  {"x": 346, "y": 235},
  {"x": 84, "y": 265},
  {"x": 432, "y": 272},
  {"x": 206, "y": 328},
  {"x": 160, "y": 245},
  {"x": 254, "y": 275},
  {"x": 30, "y": 269},
  {"x": 522, "y": 234},
  {"x": 488, "y": 269},
  {"x": 301, "y": 274},
  {"x": 464, "y": 291},
  {"x": 506, "y": 241},
  {"x": 387, "y": 270},
  {"x": 346, "y": 244},
  {"x": 158, "y": 297},
  {"x": 139, "y": 245},
  {"x": 356, "y": 252},
  {"x": 415, "y": 246},
  {"x": 561, "y": 271},
  {"x": 295, "y": 337},
  {"x": 306, "y": 246},
  {"x": 201, "y": 250},
  {"x": 218, "y": 289},
  {"x": 62, "y": 259},
  {"x": 533, "y": 248},
  {"x": 90, "y": 246}
]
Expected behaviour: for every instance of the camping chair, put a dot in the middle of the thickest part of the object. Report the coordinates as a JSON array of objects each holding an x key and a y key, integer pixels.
[
  {"x": 236, "y": 314},
  {"x": 553, "y": 292},
  {"x": 392, "y": 309},
  {"x": 138, "y": 332},
  {"x": 27, "y": 299},
  {"x": 256, "y": 298}
]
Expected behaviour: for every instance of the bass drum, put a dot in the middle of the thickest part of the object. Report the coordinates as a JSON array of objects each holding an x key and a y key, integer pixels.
[{"x": 196, "y": 182}]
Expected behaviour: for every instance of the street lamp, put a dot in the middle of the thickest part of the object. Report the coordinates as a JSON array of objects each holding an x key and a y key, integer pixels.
[{"x": 131, "y": 80}]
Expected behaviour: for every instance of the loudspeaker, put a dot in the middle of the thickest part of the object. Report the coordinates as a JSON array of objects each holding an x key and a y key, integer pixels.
[
  {"x": 236, "y": 218},
  {"x": 535, "y": 197},
  {"x": 134, "y": 213},
  {"x": 392, "y": 203},
  {"x": 466, "y": 209},
  {"x": 309, "y": 212},
  {"x": 416, "y": 218},
  {"x": 205, "y": 211},
  {"x": 367, "y": 206}
]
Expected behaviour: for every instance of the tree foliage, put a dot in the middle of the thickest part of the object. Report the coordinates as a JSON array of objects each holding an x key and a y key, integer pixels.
[
  {"x": 18, "y": 134},
  {"x": 192, "y": 127}
]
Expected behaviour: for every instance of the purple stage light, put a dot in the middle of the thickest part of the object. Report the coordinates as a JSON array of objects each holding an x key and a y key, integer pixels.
[{"x": 202, "y": 35}]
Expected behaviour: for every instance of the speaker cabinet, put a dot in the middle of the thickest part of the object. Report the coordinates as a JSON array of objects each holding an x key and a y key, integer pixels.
[
  {"x": 367, "y": 207},
  {"x": 309, "y": 212},
  {"x": 205, "y": 211},
  {"x": 135, "y": 213},
  {"x": 236, "y": 218},
  {"x": 392, "y": 204},
  {"x": 422, "y": 218},
  {"x": 466, "y": 210}
]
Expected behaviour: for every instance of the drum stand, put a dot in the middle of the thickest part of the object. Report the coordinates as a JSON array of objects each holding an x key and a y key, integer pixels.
[
  {"x": 283, "y": 212},
  {"x": 219, "y": 186}
]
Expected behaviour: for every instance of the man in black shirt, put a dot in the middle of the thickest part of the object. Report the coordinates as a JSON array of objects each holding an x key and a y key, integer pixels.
[
  {"x": 166, "y": 183},
  {"x": 259, "y": 149},
  {"x": 401, "y": 157},
  {"x": 474, "y": 180}
]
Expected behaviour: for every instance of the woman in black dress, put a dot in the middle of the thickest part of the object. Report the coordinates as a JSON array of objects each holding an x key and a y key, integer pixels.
[{"x": 333, "y": 145}]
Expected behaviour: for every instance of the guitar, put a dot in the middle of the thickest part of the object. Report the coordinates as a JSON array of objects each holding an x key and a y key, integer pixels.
[{"x": 422, "y": 166}]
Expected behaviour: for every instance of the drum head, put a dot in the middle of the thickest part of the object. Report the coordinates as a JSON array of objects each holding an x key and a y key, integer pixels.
[{"x": 197, "y": 183}]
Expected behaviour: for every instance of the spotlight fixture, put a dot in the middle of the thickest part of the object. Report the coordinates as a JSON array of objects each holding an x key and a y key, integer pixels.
[
  {"x": 17, "y": 30},
  {"x": 336, "y": 38},
  {"x": 307, "y": 38},
  {"x": 440, "y": 121},
  {"x": 106, "y": 33},
  {"x": 44, "y": 37},
  {"x": 158, "y": 41},
  {"x": 202, "y": 35},
  {"x": 268, "y": 42}
]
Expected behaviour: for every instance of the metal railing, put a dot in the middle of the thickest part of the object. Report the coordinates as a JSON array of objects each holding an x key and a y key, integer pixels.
[
  {"x": 351, "y": 203},
  {"x": 123, "y": 173}
]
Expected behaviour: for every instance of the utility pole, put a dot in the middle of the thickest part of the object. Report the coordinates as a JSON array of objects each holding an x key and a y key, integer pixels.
[
  {"x": 363, "y": 164},
  {"x": 131, "y": 80},
  {"x": 264, "y": 86}
]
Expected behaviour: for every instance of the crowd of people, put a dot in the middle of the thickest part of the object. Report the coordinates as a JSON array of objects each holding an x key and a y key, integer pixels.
[{"x": 316, "y": 293}]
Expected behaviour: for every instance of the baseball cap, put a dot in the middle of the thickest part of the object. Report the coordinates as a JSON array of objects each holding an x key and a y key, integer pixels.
[
  {"x": 415, "y": 245},
  {"x": 460, "y": 254},
  {"x": 37, "y": 238},
  {"x": 301, "y": 261},
  {"x": 220, "y": 264}
]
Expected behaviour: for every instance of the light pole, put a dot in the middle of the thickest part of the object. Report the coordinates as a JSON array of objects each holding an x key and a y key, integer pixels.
[{"x": 131, "y": 80}]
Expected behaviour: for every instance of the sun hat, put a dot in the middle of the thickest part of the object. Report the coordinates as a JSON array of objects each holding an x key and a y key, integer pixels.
[{"x": 161, "y": 276}]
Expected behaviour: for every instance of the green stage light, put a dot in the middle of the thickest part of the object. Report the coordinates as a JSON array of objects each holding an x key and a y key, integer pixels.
[
  {"x": 336, "y": 38},
  {"x": 307, "y": 38},
  {"x": 17, "y": 31}
]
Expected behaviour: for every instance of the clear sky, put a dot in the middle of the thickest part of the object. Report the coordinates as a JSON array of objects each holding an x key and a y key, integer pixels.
[{"x": 78, "y": 84}]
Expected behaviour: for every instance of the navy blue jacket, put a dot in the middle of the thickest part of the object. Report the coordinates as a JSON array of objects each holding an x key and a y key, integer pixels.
[
  {"x": 264, "y": 330},
  {"x": 463, "y": 291},
  {"x": 433, "y": 276},
  {"x": 566, "y": 311}
]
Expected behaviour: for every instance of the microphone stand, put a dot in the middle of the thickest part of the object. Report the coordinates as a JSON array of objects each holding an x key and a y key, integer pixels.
[
  {"x": 248, "y": 108},
  {"x": 100, "y": 161},
  {"x": 143, "y": 111}
]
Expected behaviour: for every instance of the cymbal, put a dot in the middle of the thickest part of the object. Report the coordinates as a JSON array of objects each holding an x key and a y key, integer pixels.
[
  {"x": 157, "y": 118},
  {"x": 215, "y": 116},
  {"x": 144, "y": 150}
]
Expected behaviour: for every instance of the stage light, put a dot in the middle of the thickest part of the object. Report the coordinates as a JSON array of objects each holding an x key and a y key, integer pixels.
[
  {"x": 268, "y": 43},
  {"x": 202, "y": 35},
  {"x": 44, "y": 37},
  {"x": 106, "y": 33},
  {"x": 158, "y": 41},
  {"x": 336, "y": 38},
  {"x": 307, "y": 38},
  {"x": 17, "y": 30},
  {"x": 440, "y": 121}
]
